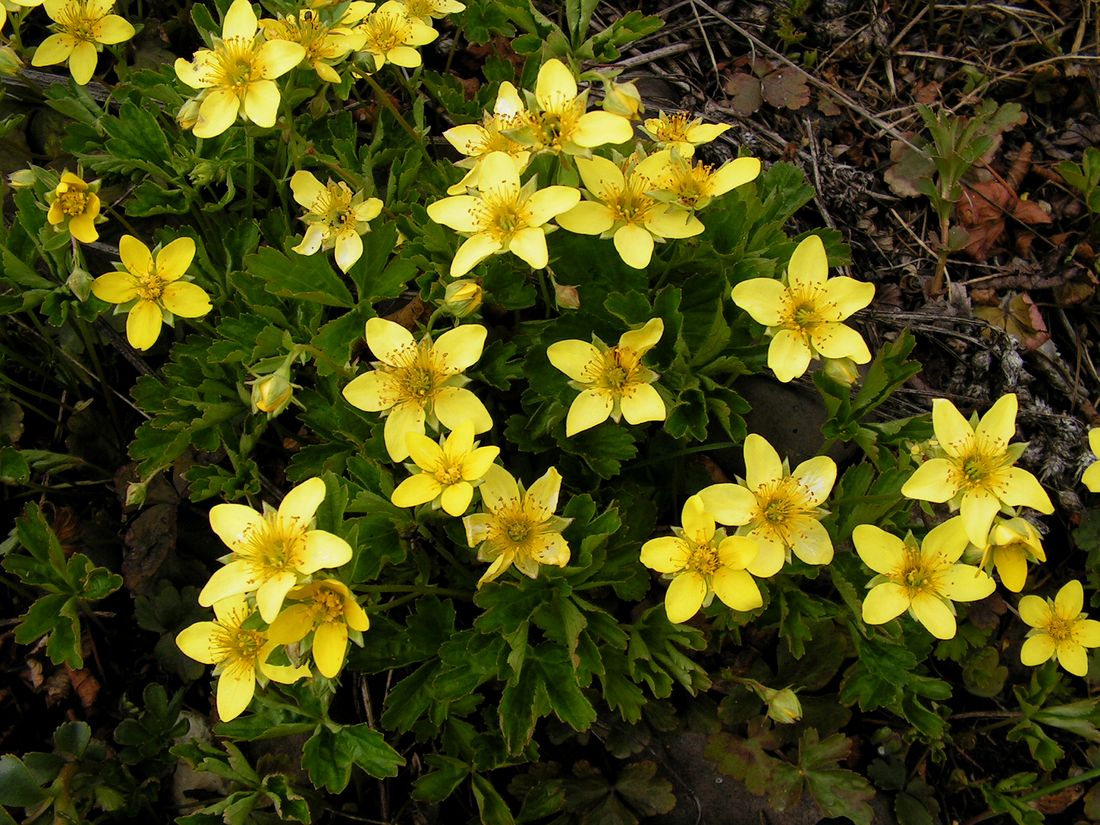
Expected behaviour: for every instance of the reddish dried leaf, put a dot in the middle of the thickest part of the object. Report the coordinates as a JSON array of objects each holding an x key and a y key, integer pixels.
[
  {"x": 909, "y": 167},
  {"x": 85, "y": 685},
  {"x": 1017, "y": 315},
  {"x": 982, "y": 210},
  {"x": 745, "y": 93},
  {"x": 786, "y": 87}
]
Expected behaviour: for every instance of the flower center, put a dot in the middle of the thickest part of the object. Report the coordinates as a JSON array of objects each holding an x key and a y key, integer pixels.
[
  {"x": 150, "y": 286},
  {"x": 449, "y": 473},
  {"x": 329, "y": 605},
  {"x": 501, "y": 212},
  {"x": 918, "y": 573},
  {"x": 1060, "y": 628},
  {"x": 235, "y": 64},
  {"x": 333, "y": 205},
  {"x": 672, "y": 129},
  {"x": 73, "y": 202},
  {"x": 275, "y": 545},
  {"x": 703, "y": 558},
  {"x": 385, "y": 31},
  {"x": 78, "y": 21}
]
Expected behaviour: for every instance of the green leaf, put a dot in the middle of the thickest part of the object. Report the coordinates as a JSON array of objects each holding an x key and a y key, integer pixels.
[
  {"x": 303, "y": 277},
  {"x": 17, "y": 786},
  {"x": 490, "y": 804},
  {"x": 72, "y": 738},
  {"x": 14, "y": 468},
  {"x": 40, "y": 618},
  {"x": 523, "y": 702},
  {"x": 328, "y": 755},
  {"x": 135, "y": 133},
  {"x": 375, "y": 275},
  {"x": 439, "y": 783},
  {"x": 646, "y": 794},
  {"x": 837, "y": 791}
]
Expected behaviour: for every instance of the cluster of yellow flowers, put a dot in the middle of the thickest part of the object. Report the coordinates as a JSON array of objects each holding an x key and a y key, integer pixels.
[{"x": 276, "y": 556}]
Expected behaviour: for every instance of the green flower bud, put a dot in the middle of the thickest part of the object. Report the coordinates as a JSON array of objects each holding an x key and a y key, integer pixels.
[{"x": 462, "y": 298}]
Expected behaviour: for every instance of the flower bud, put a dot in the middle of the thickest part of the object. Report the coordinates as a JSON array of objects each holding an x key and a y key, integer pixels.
[
  {"x": 783, "y": 706},
  {"x": 188, "y": 115},
  {"x": 80, "y": 282},
  {"x": 623, "y": 99},
  {"x": 842, "y": 370},
  {"x": 272, "y": 393},
  {"x": 22, "y": 179},
  {"x": 462, "y": 298},
  {"x": 10, "y": 64},
  {"x": 566, "y": 296}
]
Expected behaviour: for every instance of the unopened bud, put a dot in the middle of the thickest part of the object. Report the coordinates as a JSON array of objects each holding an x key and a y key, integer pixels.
[
  {"x": 623, "y": 99},
  {"x": 22, "y": 179},
  {"x": 783, "y": 706},
  {"x": 80, "y": 282},
  {"x": 842, "y": 370},
  {"x": 188, "y": 115},
  {"x": 10, "y": 64},
  {"x": 462, "y": 298},
  {"x": 272, "y": 393},
  {"x": 567, "y": 296}
]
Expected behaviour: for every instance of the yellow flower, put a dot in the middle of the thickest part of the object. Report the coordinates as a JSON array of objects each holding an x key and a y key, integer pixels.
[
  {"x": 425, "y": 10},
  {"x": 329, "y": 609},
  {"x": 447, "y": 473},
  {"x": 624, "y": 210},
  {"x": 272, "y": 550},
  {"x": 975, "y": 473},
  {"x": 613, "y": 381},
  {"x": 389, "y": 34},
  {"x": 804, "y": 313},
  {"x": 679, "y": 133},
  {"x": 502, "y": 216},
  {"x": 520, "y": 527},
  {"x": 237, "y": 76},
  {"x": 476, "y": 140},
  {"x": 238, "y": 650},
  {"x": 81, "y": 27},
  {"x": 561, "y": 124},
  {"x": 694, "y": 185},
  {"x": 324, "y": 44},
  {"x": 419, "y": 382},
  {"x": 337, "y": 217},
  {"x": 1012, "y": 544},
  {"x": 75, "y": 204},
  {"x": 925, "y": 580},
  {"x": 1059, "y": 628},
  {"x": 703, "y": 562},
  {"x": 157, "y": 287},
  {"x": 1091, "y": 476},
  {"x": 779, "y": 508}
]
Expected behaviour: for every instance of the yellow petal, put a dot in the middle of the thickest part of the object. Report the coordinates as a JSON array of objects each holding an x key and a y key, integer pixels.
[
  {"x": 460, "y": 348},
  {"x": 999, "y": 423},
  {"x": 232, "y": 579},
  {"x": 291, "y": 625},
  {"x": 641, "y": 403},
  {"x": 234, "y": 522},
  {"x": 555, "y": 85},
  {"x": 551, "y": 548},
  {"x": 174, "y": 259},
  {"x": 135, "y": 255},
  {"x": 1091, "y": 477},
  {"x": 601, "y": 177},
  {"x": 809, "y": 266},
  {"x": 497, "y": 490},
  {"x": 685, "y": 596},
  {"x": 667, "y": 554},
  {"x": 240, "y": 21},
  {"x": 886, "y": 601},
  {"x": 697, "y": 522},
  {"x": 931, "y": 481},
  {"x": 404, "y": 56},
  {"x": 1087, "y": 632},
  {"x": 577, "y": 359},
  {"x": 388, "y": 340},
  {"x": 82, "y": 227},
  {"x": 1094, "y": 441},
  {"x": 935, "y": 615},
  {"x": 456, "y": 498},
  {"x": 372, "y": 392},
  {"x": 323, "y": 549},
  {"x": 478, "y": 462},
  {"x": 425, "y": 453},
  {"x": 530, "y": 245},
  {"x": 738, "y": 552},
  {"x": 270, "y": 595},
  {"x": 553, "y": 200},
  {"x": 598, "y": 128},
  {"x": 952, "y": 430},
  {"x": 1011, "y": 564},
  {"x": 762, "y": 298},
  {"x": 1035, "y": 611},
  {"x": 644, "y": 339},
  {"x": 498, "y": 171},
  {"x": 882, "y": 552},
  {"x": 186, "y": 300},
  {"x": 591, "y": 407},
  {"x": 706, "y": 132},
  {"x": 810, "y": 540},
  {"x": 115, "y": 287},
  {"x": 475, "y": 250},
  {"x": 1036, "y": 649},
  {"x": 82, "y": 62},
  {"x": 736, "y": 589},
  {"x": 947, "y": 540},
  {"x": 453, "y": 405},
  {"x": 217, "y": 113},
  {"x": 330, "y": 643},
  {"x": 236, "y": 687},
  {"x": 762, "y": 464},
  {"x": 1073, "y": 658},
  {"x": 729, "y": 503},
  {"x": 459, "y": 213},
  {"x": 788, "y": 355},
  {"x": 733, "y": 174},
  {"x": 668, "y": 221},
  {"x": 770, "y": 557},
  {"x": 355, "y": 616},
  {"x": 54, "y": 49},
  {"x": 816, "y": 477},
  {"x": 541, "y": 499},
  {"x": 1070, "y": 600},
  {"x": 199, "y": 642},
  {"x": 848, "y": 295},
  {"x": 113, "y": 29},
  {"x": 187, "y": 73},
  {"x": 587, "y": 218},
  {"x": 275, "y": 58},
  {"x": 1022, "y": 489},
  {"x": 469, "y": 138},
  {"x": 477, "y": 528},
  {"x": 403, "y": 419},
  {"x": 417, "y": 489},
  {"x": 349, "y": 249},
  {"x": 301, "y": 503},
  {"x": 143, "y": 324},
  {"x": 978, "y": 509},
  {"x": 261, "y": 101},
  {"x": 634, "y": 245},
  {"x": 835, "y": 340},
  {"x": 965, "y": 583}
]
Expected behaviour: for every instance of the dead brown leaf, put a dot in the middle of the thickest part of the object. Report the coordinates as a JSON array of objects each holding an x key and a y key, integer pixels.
[
  {"x": 85, "y": 685},
  {"x": 1017, "y": 315},
  {"x": 982, "y": 212},
  {"x": 908, "y": 168},
  {"x": 745, "y": 93}
]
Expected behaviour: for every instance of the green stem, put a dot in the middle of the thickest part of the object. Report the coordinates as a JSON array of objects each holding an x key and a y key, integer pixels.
[
  {"x": 250, "y": 168},
  {"x": 415, "y": 590},
  {"x": 1059, "y": 786}
]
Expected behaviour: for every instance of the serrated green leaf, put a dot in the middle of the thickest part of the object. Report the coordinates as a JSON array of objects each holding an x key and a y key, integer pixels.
[{"x": 303, "y": 277}]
